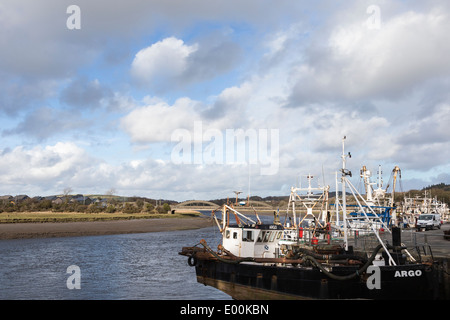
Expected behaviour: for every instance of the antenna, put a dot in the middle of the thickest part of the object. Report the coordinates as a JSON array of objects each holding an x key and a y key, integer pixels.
[
  {"x": 248, "y": 196},
  {"x": 323, "y": 176}
]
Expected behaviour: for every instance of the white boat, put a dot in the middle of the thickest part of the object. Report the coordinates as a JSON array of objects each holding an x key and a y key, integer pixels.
[{"x": 278, "y": 261}]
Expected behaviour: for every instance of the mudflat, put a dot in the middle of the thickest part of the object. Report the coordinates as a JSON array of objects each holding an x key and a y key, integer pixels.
[{"x": 88, "y": 228}]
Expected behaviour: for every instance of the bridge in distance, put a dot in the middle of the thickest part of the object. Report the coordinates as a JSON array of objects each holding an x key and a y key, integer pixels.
[{"x": 208, "y": 205}]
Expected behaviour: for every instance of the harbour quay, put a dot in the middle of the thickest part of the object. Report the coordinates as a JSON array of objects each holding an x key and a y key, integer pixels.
[
  {"x": 430, "y": 242},
  {"x": 424, "y": 245},
  {"x": 421, "y": 243}
]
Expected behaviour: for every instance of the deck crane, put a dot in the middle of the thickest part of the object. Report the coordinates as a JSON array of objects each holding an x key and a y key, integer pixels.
[{"x": 396, "y": 172}]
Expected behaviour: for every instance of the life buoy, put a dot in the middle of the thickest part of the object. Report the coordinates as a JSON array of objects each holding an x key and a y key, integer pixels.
[{"x": 192, "y": 261}]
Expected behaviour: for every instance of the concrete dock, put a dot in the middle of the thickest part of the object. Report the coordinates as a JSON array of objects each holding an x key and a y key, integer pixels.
[{"x": 434, "y": 239}]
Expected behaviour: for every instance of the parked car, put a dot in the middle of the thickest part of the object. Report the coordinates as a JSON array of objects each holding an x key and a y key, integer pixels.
[{"x": 428, "y": 221}]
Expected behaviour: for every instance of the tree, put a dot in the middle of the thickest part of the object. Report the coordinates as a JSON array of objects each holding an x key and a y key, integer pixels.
[
  {"x": 130, "y": 208},
  {"x": 67, "y": 191},
  {"x": 149, "y": 207},
  {"x": 164, "y": 208},
  {"x": 110, "y": 208},
  {"x": 110, "y": 193}
]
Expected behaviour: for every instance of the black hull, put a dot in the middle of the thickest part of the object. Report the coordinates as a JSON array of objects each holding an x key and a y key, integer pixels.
[{"x": 256, "y": 281}]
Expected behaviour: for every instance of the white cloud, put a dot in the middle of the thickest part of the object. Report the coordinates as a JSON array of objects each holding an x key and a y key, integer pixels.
[
  {"x": 170, "y": 64},
  {"x": 156, "y": 122},
  {"x": 425, "y": 144},
  {"x": 358, "y": 62},
  {"x": 44, "y": 167},
  {"x": 163, "y": 60},
  {"x": 232, "y": 103}
]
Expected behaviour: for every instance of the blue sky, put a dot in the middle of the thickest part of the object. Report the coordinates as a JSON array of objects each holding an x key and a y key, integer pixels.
[{"x": 100, "y": 107}]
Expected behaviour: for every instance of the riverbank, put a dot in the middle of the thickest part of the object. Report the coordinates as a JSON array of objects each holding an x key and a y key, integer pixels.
[{"x": 27, "y": 230}]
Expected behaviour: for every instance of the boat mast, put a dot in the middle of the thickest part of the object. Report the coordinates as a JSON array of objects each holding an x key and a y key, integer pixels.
[
  {"x": 345, "y": 172},
  {"x": 380, "y": 178},
  {"x": 337, "y": 201},
  {"x": 365, "y": 174},
  {"x": 396, "y": 171}
]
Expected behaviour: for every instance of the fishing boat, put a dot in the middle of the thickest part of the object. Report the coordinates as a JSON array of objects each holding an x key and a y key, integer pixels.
[
  {"x": 413, "y": 207},
  {"x": 321, "y": 259}
]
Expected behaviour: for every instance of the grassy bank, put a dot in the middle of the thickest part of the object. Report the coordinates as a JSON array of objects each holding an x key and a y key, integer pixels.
[{"x": 49, "y": 216}]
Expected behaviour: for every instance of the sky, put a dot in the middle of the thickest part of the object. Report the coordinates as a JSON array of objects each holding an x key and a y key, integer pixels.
[{"x": 191, "y": 99}]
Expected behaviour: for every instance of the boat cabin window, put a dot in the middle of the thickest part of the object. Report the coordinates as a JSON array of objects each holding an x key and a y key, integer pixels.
[
  {"x": 272, "y": 236},
  {"x": 247, "y": 236},
  {"x": 234, "y": 235},
  {"x": 260, "y": 236},
  {"x": 269, "y": 236},
  {"x": 227, "y": 234}
]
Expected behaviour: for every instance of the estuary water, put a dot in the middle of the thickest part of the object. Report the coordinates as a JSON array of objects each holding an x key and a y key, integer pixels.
[{"x": 144, "y": 266}]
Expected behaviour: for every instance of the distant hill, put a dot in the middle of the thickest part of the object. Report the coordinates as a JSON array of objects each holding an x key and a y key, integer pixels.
[
  {"x": 441, "y": 186},
  {"x": 441, "y": 191}
]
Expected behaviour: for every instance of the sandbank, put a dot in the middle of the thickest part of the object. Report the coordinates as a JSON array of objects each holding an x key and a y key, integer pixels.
[{"x": 93, "y": 228}]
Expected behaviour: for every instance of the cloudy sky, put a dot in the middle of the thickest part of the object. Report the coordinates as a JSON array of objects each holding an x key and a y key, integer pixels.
[{"x": 152, "y": 98}]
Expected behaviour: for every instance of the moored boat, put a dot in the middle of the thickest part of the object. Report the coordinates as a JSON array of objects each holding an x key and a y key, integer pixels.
[{"x": 319, "y": 260}]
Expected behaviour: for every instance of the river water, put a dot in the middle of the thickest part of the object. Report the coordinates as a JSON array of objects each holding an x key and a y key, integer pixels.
[{"x": 112, "y": 267}]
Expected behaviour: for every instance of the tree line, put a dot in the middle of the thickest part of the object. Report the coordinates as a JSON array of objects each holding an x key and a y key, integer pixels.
[{"x": 80, "y": 204}]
